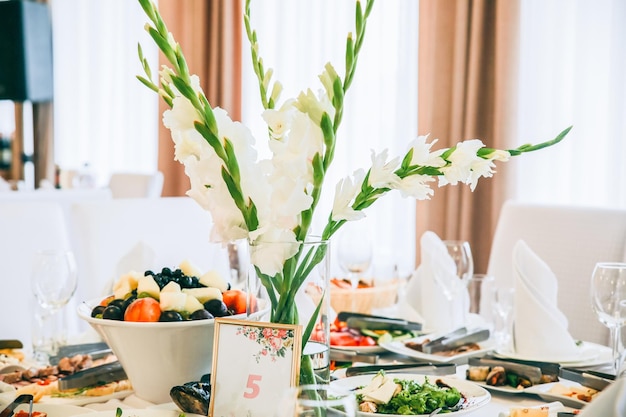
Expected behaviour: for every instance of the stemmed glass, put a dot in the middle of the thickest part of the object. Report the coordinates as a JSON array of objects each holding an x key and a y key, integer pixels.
[
  {"x": 503, "y": 300},
  {"x": 53, "y": 283},
  {"x": 461, "y": 254},
  {"x": 354, "y": 253},
  {"x": 608, "y": 300}
]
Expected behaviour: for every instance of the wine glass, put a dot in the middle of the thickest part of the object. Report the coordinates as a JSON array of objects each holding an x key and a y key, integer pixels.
[
  {"x": 608, "y": 300},
  {"x": 461, "y": 254},
  {"x": 53, "y": 283},
  {"x": 354, "y": 252},
  {"x": 502, "y": 301},
  {"x": 317, "y": 401}
]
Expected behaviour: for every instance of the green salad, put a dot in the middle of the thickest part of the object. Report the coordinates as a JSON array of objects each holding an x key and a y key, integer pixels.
[{"x": 411, "y": 397}]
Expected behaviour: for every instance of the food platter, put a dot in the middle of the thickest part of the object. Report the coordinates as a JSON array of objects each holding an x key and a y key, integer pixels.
[
  {"x": 588, "y": 354},
  {"x": 74, "y": 400},
  {"x": 399, "y": 347},
  {"x": 547, "y": 392},
  {"x": 144, "y": 412},
  {"x": 477, "y": 396}
]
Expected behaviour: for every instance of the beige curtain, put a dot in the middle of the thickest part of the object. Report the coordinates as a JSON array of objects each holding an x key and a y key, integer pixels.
[
  {"x": 468, "y": 52},
  {"x": 209, "y": 32}
]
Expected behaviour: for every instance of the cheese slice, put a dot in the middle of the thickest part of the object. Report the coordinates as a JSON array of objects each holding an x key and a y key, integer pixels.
[{"x": 383, "y": 394}]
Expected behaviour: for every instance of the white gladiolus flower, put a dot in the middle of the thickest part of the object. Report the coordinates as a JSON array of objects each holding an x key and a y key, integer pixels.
[
  {"x": 270, "y": 259},
  {"x": 461, "y": 161},
  {"x": 415, "y": 186},
  {"x": 382, "y": 172},
  {"x": 422, "y": 155},
  {"x": 345, "y": 192}
]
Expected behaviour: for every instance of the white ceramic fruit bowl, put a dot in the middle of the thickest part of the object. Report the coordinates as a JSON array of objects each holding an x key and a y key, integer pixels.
[{"x": 159, "y": 355}]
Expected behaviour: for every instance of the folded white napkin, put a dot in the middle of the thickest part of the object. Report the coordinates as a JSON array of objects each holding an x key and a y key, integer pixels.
[
  {"x": 435, "y": 291},
  {"x": 540, "y": 327}
]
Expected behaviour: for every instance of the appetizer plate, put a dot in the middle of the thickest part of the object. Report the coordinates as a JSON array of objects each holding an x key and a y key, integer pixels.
[
  {"x": 588, "y": 354},
  {"x": 399, "y": 347},
  {"x": 83, "y": 399},
  {"x": 544, "y": 392},
  {"x": 476, "y": 395}
]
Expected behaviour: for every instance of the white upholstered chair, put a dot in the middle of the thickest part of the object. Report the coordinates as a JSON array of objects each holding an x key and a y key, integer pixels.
[
  {"x": 119, "y": 235},
  {"x": 570, "y": 240},
  {"x": 27, "y": 227},
  {"x": 136, "y": 185}
]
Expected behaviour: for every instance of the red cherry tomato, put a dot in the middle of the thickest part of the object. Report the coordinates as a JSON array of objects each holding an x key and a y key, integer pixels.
[
  {"x": 367, "y": 341},
  {"x": 143, "y": 309},
  {"x": 343, "y": 339}
]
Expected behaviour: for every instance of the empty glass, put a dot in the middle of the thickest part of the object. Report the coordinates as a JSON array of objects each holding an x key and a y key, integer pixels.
[
  {"x": 354, "y": 252},
  {"x": 53, "y": 283},
  {"x": 503, "y": 300},
  {"x": 608, "y": 300},
  {"x": 461, "y": 254}
]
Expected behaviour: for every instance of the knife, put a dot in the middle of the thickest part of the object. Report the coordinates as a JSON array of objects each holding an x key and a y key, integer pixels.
[
  {"x": 98, "y": 375},
  {"x": 454, "y": 342},
  {"x": 372, "y": 323},
  {"x": 424, "y": 368},
  {"x": 11, "y": 344},
  {"x": 585, "y": 378}
]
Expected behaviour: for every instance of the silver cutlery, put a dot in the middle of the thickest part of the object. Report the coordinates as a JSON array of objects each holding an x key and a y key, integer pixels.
[
  {"x": 21, "y": 399},
  {"x": 426, "y": 368},
  {"x": 454, "y": 341}
]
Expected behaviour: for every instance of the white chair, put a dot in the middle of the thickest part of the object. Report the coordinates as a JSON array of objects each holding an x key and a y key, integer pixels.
[
  {"x": 135, "y": 185},
  {"x": 119, "y": 235},
  {"x": 26, "y": 228},
  {"x": 570, "y": 240}
]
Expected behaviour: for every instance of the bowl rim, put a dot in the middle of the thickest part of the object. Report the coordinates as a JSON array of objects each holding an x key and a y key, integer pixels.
[{"x": 85, "y": 307}]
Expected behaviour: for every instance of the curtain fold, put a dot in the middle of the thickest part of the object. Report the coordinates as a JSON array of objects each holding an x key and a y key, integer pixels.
[
  {"x": 209, "y": 33},
  {"x": 467, "y": 66}
]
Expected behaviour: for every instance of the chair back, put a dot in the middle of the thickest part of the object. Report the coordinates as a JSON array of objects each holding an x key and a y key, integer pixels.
[
  {"x": 135, "y": 185},
  {"x": 570, "y": 240}
]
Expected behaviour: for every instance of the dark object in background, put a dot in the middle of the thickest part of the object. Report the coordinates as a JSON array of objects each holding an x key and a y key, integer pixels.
[{"x": 25, "y": 51}]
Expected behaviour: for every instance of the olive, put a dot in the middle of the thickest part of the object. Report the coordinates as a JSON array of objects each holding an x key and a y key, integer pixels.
[
  {"x": 113, "y": 312},
  {"x": 97, "y": 310},
  {"x": 119, "y": 303},
  {"x": 201, "y": 315},
  {"x": 216, "y": 307},
  {"x": 127, "y": 301},
  {"x": 185, "y": 281},
  {"x": 171, "y": 315}
]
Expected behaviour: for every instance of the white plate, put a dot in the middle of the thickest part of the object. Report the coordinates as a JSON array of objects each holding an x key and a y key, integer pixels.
[
  {"x": 543, "y": 391},
  {"x": 56, "y": 410},
  {"x": 84, "y": 399},
  {"x": 588, "y": 354},
  {"x": 399, "y": 347},
  {"x": 477, "y": 396},
  {"x": 145, "y": 412}
]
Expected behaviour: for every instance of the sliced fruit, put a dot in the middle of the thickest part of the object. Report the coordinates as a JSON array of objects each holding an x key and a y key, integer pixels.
[
  {"x": 171, "y": 287},
  {"x": 189, "y": 268},
  {"x": 148, "y": 286},
  {"x": 204, "y": 294},
  {"x": 192, "y": 304},
  {"x": 171, "y": 300},
  {"x": 214, "y": 279},
  {"x": 143, "y": 309}
]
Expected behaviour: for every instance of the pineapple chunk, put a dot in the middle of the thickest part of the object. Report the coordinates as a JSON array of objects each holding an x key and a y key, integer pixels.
[
  {"x": 128, "y": 280},
  {"x": 204, "y": 294},
  {"x": 192, "y": 304},
  {"x": 189, "y": 269},
  {"x": 214, "y": 279},
  {"x": 171, "y": 287},
  {"x": 171, "y": 300},
  {"x": 149, "y": 286}
]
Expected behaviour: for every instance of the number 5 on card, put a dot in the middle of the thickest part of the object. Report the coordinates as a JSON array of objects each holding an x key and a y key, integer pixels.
[{"x": 253, "y": 364}]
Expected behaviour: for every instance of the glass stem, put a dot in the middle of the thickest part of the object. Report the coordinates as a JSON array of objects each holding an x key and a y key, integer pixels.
[{"x": 615, "y": 345}]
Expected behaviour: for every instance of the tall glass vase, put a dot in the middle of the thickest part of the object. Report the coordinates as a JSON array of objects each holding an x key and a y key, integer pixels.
[{"x": 295, "y": 279}]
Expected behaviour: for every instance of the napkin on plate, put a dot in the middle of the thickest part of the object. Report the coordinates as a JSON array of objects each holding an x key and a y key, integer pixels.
[
  {"x": 435, "y": 291},
  {"x": 540, "y": 328}
]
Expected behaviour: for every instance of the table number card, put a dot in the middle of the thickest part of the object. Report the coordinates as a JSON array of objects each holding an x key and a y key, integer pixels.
[{"x": 254, "y": 363}]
